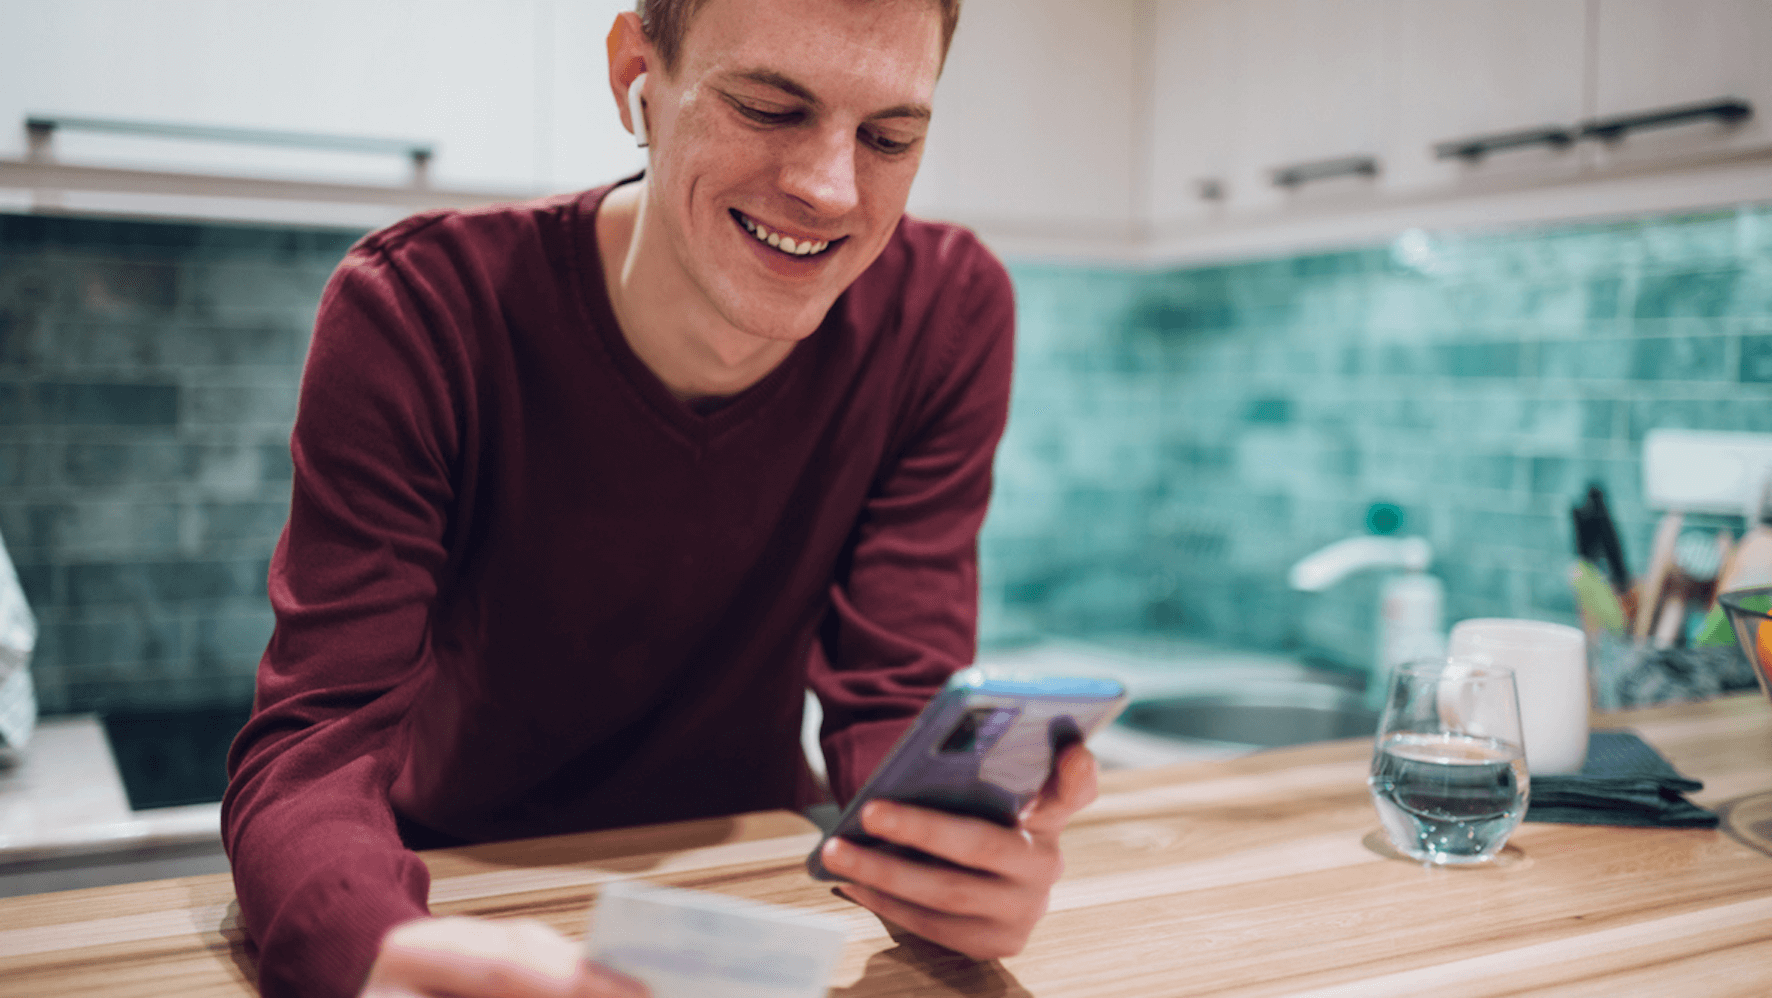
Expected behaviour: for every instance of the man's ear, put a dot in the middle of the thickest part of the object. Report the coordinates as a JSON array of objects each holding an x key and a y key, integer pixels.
[{"x": 630, "y": 56}]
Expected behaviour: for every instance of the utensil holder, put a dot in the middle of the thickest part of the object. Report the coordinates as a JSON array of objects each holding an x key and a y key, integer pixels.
[{"x": 1624, "y": 674}]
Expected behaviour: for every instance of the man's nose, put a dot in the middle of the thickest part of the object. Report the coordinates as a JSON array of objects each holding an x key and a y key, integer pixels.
[{"x": 820, "y": 172}]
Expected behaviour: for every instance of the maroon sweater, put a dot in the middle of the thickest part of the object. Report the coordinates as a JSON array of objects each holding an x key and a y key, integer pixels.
[{"x": 524, "y": 590}]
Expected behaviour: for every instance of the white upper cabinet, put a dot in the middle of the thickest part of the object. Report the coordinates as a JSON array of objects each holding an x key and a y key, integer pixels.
[
  {"x": 511, "y": 94},
  {"x": 1193, "y": 74},
  {"x": 1035, "y": 121},
  {"x": 1482, "y": 69},
  {"x": 1037, "y": 113},
  {"x": 1114, "y": 123},
  {"x": 1653, "y": 54},
  {"x": 1243, "y": 89},
  {"x": 1309, "y": 91}
]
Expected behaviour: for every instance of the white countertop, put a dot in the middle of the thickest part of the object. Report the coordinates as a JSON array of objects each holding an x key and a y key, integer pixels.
[{"x": 63, "y": 797}]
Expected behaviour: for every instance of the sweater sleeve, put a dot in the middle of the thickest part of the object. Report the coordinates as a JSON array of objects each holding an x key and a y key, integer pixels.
[
  {"x": 903, "y": 611},
  {"x": 319, "y": 868}
]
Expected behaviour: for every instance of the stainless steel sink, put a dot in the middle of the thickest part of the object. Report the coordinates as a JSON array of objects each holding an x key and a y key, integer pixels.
[
  {"x": 1191, "y": 701},
  {"x": 1257, "y": 716}
]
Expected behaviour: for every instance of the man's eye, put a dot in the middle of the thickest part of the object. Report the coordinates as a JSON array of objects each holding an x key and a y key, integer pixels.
[
  {"x": 886, "y": 145},
  {"x": 766, "y": 117}
]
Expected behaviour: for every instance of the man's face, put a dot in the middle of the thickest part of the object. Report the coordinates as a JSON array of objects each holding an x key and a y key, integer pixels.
[{"x": 798, "y": 119}]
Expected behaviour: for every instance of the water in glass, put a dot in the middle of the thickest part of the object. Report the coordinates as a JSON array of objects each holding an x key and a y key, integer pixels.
[
  {"x": 1449, "y": 798},
  {"x": 1449, "y": 771}
]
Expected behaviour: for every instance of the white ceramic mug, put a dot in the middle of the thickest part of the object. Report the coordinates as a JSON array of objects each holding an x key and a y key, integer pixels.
[{"x": 1550, "y": 669}]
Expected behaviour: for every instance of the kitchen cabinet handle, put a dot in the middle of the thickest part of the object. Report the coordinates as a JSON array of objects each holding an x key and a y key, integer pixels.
[
  {"x": 1728, "y": 110},
  {"x": 1323, "y": 169},
  {"x": 41, "y": 127},
  {"x": 1478, "y": 146}
]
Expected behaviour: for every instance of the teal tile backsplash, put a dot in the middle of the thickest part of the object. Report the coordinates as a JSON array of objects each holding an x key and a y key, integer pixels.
[
  {"x": 1178, "y": 438},
  {"x": 148, "y": 373}
]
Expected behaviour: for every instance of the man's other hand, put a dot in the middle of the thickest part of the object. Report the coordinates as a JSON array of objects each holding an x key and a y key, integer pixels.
[
  {"x": 479, "y": 958},
  {"x": 989, "y": 909}
]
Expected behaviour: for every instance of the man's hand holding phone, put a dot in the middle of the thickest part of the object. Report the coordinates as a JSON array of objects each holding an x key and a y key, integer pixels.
[{"x": 989, "y": 908}]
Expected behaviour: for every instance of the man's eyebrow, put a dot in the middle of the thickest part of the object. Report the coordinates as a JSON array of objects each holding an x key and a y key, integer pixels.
[
  {"x": 919, "y": 111},
  {"x": 788, "y": 85}
]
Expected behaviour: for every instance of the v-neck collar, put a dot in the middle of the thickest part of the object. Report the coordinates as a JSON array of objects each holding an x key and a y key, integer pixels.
[{"x": 697, "y": 427}]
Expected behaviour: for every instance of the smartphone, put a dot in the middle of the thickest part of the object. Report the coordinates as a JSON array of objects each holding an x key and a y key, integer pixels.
[{"x": 983, "y": 747}]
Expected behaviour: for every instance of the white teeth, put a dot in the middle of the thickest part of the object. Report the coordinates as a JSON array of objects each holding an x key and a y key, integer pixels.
[{"x": 786, "y": 244}]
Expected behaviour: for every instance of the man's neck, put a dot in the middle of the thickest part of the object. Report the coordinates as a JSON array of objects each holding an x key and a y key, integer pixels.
[{"x": 683, "y": 341}]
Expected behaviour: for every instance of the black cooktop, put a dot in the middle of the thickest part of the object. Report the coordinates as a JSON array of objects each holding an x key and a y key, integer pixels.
[{"x": 172, "y": 757}]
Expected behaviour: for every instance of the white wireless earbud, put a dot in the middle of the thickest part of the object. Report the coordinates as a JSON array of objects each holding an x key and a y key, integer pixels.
[{"x": 637, "y": 111}]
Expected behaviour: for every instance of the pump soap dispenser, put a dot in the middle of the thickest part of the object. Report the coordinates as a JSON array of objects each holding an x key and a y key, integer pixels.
[{"x": 1410, "y": 606}]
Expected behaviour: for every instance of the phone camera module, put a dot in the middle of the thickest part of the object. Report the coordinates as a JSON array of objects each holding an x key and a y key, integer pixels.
[{"x": 978, "y": 729}]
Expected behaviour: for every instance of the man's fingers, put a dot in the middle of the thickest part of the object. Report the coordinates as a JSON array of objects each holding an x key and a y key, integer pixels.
[
  {"x": 970, "y": 842},
  {"x": 988, "y": 909},
  {"x": 936, "y": 888},
  {"x": 982, "y": 845},
  {"x": 1071, "y": 788},
  {"x": 979, "y": 938},
  {"x": 472, "y": 957},
  {"x": 598, "y": 981}
]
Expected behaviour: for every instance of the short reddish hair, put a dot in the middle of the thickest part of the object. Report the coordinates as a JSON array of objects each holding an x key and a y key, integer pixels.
[{"x": 666, "y": 22}]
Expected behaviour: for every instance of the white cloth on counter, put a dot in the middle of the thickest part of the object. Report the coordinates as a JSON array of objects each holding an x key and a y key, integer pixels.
[{"x": 18, "y": 638}]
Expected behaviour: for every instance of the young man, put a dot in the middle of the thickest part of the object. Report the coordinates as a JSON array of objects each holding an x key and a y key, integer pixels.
[{"x": 587, "y": 490}]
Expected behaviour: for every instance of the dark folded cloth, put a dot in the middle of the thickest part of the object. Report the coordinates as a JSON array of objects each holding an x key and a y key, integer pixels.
[{"x": 1625, "y": 782}]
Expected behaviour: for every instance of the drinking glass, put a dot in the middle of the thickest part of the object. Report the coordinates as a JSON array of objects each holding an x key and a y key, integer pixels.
[{"x": 1449, "y": 770}]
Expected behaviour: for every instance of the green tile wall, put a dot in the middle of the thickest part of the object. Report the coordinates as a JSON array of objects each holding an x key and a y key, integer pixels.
[
  {"x": 147, "y": 386},
  {"x": 1179, "y": 438}
]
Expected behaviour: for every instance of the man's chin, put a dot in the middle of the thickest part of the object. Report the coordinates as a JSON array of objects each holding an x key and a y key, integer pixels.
[{"x": 788, "y": 325}]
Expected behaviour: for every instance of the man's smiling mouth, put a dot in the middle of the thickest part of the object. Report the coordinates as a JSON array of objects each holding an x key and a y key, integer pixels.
[{"x": 786, "y": 244}]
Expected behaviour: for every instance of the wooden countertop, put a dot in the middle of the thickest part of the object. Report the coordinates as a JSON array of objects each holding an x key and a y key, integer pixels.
[{"x": 1250, "y": 877}]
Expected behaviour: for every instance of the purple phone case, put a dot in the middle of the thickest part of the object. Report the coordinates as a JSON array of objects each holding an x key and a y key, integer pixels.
[{"x": 980, "y": 749}]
